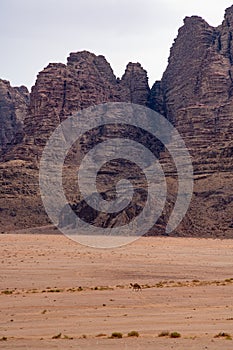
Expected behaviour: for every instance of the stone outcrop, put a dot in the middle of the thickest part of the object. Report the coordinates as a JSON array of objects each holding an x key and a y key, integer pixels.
[
  {"x": 195, "y": 93},
  {"x": 13, "y": 109},
  {"x": 135, "y": 79},
  {"x": 61, "y": 90}
]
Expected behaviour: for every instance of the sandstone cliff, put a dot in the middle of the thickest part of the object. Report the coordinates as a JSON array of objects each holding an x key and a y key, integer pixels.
[
  {"x": 196, "y": 94},
  {"x": 59, "y": 91},
  {"x": 196, "y": 90},
  {"x": 13, "y": 109}
]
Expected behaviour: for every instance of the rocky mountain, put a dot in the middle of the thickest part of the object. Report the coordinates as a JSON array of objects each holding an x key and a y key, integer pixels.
[
  {"x": 197, "y": 90},
  {"x": 60, "y": 90},
  {"x": 195, "y": 94}
]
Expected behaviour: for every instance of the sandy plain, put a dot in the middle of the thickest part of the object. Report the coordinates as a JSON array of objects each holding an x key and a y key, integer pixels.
[{"x": 52, "y": 287}]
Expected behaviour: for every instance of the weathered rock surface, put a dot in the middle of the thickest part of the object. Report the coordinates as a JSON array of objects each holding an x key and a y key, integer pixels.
[
  {"x": 135, "y": 79},
  {"x": 61, "y": 90},
  {"x": 196, "y": 94},
  {"x": 13, "y": 109},
  {"x": 196, "y": 91}
]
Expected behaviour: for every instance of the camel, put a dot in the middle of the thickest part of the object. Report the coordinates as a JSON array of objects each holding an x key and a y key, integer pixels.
[{"x": 136, "y": 286}]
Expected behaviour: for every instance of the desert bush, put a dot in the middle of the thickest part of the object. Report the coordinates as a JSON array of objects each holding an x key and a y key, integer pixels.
[
  {"x": 116, "y": 335},
  {"x": 175, "y": 335},
  {"x": 133, "y": 334},
  {"x": 7, "y": 292},
  {"x": 55, "y": 290}
]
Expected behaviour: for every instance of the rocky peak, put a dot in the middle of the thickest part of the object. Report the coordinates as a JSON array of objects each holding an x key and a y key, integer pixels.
[
  {"x": 83, "y": 61},
  {"x": 136, "y": 80},
  {"x": 59, "y": 91},
  {"x": 81, "y": 56},
  {"x": 192, "y": 21},
  {"x": 181, "y": 78},
  {"x": 196, "y": 93},
  {"x": 62, "y": 89},
  {"x": 197, "y": 87},
  {"x": 229, "y": 16}
]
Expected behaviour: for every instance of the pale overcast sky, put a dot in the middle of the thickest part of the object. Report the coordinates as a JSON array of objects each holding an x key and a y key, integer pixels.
[{"x": 36, "y": 32}]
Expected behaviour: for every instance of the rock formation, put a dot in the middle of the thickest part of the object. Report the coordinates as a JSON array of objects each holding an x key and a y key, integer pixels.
[
  {"x": 13, "y": 109},
  {"x": 196, "y": 90},
  {"x": 61, "y": 90},
  {"x": 195, "y": 94}
]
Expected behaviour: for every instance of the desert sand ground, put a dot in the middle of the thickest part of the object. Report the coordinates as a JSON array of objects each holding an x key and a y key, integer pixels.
[{"x": 51, "y": 286}]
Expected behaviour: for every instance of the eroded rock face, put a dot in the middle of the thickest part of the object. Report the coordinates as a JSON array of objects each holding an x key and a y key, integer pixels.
[
  {"x": 13, "y": 109},
  {"x": 135, "y": 79},
  {"x": 61, "y": 90},
  {"x": 195, "y": 93}
]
